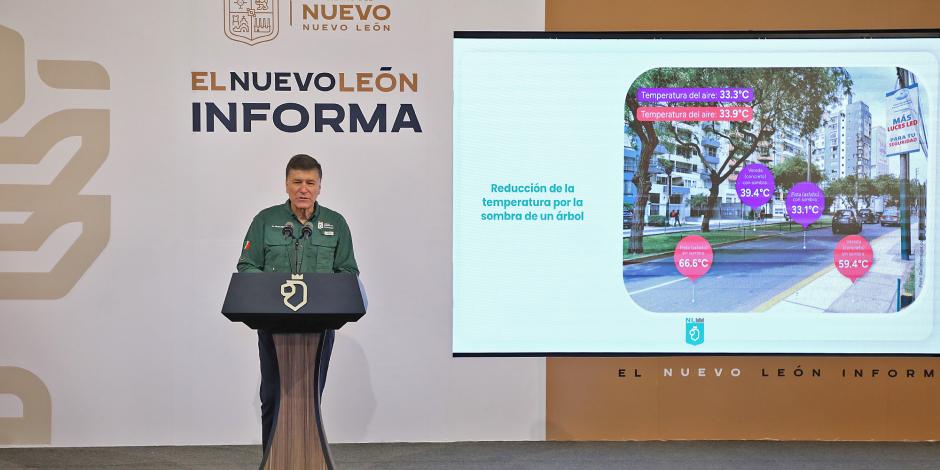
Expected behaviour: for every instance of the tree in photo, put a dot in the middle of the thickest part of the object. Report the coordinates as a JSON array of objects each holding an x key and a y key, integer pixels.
[
  {"x": 792, "y": 170},
  {"x": 889, "y": 188},
  {"x": 698, "y": 203},
  {"x": 648, "y": 133},
  {"x": 843, "y": 190},
  {"x": 867, "y": 190}
]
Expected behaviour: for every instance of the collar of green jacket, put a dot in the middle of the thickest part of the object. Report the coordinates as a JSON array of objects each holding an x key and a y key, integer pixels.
[{"x": 290, "y": 211}]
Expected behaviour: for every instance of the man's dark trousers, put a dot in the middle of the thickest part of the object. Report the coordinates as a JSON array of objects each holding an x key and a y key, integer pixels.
[{"x": 270, "y": 378}]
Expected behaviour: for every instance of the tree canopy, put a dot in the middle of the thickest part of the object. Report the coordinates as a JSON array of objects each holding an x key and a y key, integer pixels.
[
  {"x": 792, "y": 170},
  {"x": 784, "y": 98}
]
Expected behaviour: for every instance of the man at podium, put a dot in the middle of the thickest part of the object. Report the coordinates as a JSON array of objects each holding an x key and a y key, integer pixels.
[{"x": 298, "y": 236}]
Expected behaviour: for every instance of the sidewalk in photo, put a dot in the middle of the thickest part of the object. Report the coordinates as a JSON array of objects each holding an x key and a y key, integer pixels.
[
  {"x": 693, "y": 225},
  {"x": 830, "y": 291}
]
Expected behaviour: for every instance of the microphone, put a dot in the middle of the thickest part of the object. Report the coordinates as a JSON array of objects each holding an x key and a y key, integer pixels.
[
  {"x": 288, "y": 230},
  {"x": 306, "y": 231}
]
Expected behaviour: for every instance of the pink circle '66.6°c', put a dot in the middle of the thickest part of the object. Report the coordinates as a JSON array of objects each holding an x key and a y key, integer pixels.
[
  {"x": 853, "y": 257},
  {"x": 805, "y": 203},
  {"x": 693, "y": 256},
  {"x": 755, "y": 185}
]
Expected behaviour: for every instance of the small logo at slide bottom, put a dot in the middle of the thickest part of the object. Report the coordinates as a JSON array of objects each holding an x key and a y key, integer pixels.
[{"x": 695, "y": 331}]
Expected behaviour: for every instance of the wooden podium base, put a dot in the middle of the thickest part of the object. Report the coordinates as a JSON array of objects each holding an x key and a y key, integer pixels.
[{"x": 298, "y": 441}]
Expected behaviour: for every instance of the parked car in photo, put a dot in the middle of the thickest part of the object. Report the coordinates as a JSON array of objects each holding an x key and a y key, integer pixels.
[
  {"x": 867, "y": 216},
  {"x": 846, "y": 221},
  {"x": 891, "y": 217},
  {"x": 627, "y": 219}
]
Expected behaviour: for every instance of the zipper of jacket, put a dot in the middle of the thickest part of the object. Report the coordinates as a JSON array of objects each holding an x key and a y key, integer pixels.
[{"x": 296, "y": 257}]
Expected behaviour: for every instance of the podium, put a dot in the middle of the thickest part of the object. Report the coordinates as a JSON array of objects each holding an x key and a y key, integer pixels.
[{"x": 296, "y": 309}]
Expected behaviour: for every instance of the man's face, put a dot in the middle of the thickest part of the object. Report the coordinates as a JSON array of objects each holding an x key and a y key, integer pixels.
[{"x": 303, "y": 187}]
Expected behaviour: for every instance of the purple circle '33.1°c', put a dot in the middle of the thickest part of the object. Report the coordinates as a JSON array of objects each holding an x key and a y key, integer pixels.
[
  {"x": 755, "y": 185},
  {"x": 805, "y": 203}
]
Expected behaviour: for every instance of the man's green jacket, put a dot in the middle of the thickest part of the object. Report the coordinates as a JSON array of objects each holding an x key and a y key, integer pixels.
[{"x": 328, "y": 250}]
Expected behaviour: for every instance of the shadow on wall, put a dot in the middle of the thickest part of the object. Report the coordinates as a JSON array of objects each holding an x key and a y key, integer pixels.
[{"x": 345, "y": 410}]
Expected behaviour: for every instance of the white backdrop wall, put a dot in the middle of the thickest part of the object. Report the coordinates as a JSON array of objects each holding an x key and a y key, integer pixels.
[{"x": 137, "y": 353}]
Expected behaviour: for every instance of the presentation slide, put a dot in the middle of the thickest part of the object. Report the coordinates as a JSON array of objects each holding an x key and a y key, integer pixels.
[{"x": 694, "y": 195}]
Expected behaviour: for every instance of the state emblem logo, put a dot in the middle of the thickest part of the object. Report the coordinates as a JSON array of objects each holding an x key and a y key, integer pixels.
[{"x": 251, "y": 21}]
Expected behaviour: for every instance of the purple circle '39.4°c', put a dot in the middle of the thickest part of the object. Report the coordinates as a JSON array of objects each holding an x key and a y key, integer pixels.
[
  {"x": 805, "y": 203},
  {"x": 755, "y": 185}
]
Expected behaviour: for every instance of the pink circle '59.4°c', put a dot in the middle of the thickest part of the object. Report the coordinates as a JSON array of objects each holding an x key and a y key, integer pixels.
[
  {"x": 755, "y": 185},
  {"x": 693, "y": 256},
  {"x": 805, "y": 203},
  {"x": 853, "y": 257}
]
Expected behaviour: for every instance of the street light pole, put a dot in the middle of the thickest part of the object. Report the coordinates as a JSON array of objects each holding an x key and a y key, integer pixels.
[
  {"x": 669, "y": 198},
  {"x": 858, "y": 174},
  {"x": 905, "y": 215},
  {"x": 667, "y": 166},
  {"x": 809, "y": 157}
]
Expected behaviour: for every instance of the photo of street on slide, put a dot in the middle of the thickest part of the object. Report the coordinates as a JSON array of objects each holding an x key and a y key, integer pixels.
[
  {"x": 774, "y": 194},
  {"x": 754, "y": 189}
]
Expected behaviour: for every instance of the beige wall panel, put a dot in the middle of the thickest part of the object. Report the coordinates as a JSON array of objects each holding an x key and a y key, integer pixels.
[{"x": 588, "y": 400}]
